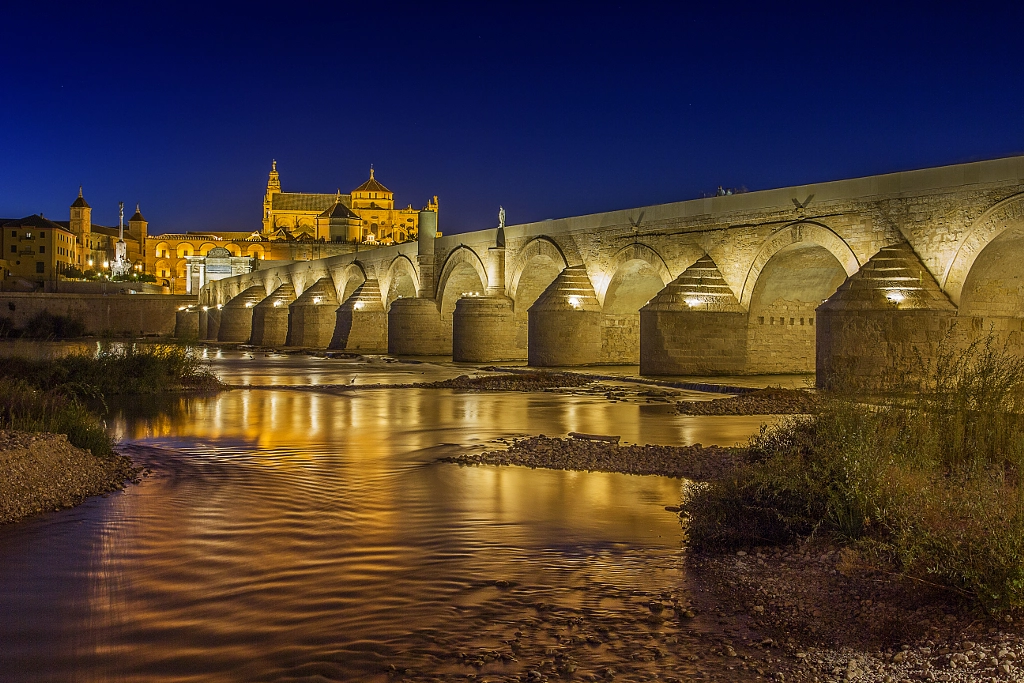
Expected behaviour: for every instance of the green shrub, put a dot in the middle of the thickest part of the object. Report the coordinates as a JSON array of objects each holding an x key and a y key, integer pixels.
[
  {"x": 46, "y": 325},
  {"x": 26, "y": 408},
  {"x": 122, "y": 369},
  {"x": 930, "y": 481}
]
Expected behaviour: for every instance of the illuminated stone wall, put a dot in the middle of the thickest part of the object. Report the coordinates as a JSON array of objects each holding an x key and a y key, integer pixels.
[{"x": 779, "y": 253}]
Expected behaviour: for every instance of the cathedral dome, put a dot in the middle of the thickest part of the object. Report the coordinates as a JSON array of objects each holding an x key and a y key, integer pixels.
[{"x": 372, "y": 185}]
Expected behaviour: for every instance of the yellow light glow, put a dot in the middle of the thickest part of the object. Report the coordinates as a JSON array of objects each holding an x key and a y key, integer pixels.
[
  {"x": 358, "y": 305},
  {"x": 575, "y": 301},
  {"x": 693, "y": 302},
  {"x": 895, "y": 296}
]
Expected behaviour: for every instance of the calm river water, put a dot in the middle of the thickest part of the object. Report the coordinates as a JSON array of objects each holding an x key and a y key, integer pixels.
[{"x": 288, "y": 535}]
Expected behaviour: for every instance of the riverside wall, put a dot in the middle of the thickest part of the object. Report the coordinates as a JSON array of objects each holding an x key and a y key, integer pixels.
[{"x": 115, "y": 314}]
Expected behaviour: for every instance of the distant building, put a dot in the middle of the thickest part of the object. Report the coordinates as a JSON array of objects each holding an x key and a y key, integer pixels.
[
  {"x": 36, "y": 250},
  {"x": 217, "y": 264},
  {"x": 366, "y": 215},
  {"x": 296, "y": 226}
]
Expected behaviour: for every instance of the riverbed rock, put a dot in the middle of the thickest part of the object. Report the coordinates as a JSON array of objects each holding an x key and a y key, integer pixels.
[{"x": 41, "y": 472}]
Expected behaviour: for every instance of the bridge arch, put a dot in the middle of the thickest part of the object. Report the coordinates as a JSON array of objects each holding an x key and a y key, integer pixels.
[
  {"x": 547, "y": 259},
  {"x": 795, "y": 270},
  {"x": 807, "y": 233},
  {"x": 1005, "y": 215},
  {"x": 463, "y": 272},
  {"x": 635, "y": 274},
  {"x": 400, "y": 280},
  {"x": 347, "y": 278}
]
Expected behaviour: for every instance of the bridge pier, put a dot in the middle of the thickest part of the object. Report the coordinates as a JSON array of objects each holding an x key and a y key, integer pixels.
[
  {"x": 236, "y": 316},
  {"x": 361, "y": 322},
  {"x": 565, "y": 322},
  {"x": 311, "y": 317},
  {"x": 695, "y": 326},
  {"x": 884, "y": 324},
  {"x": 270, "y": 317},
  {"x": 415, "y": 329},
  {"x": 186, "y": 323},
  {"x": 209, "y": 323},
  {"x": 484, "y": 330}
]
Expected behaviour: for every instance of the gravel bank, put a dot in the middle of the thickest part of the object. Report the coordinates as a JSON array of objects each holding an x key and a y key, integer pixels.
[
  {"x": 44, "y": 472},
  {"x": 772, "y": 401},
  {"x": 827, "y": 615},
  {"x": 695, "y": 462}
]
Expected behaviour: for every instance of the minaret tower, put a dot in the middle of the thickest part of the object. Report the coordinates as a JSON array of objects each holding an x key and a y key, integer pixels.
[
  {"x": 138, "y": 228},
  {"x": 81, "y": 226},
  {"x": 273, "y": 187}
]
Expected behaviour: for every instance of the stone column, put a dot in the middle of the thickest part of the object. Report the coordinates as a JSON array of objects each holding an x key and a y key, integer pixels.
[
  {"x": 362, "y": 323},
  {"x": 484, "y": 328},
  {"x": 695, "y": 326},
  {"x": 312, "y": 316},
  {"x": 565, "y": 322},
  {"x": 270, "y": 318},
  {"x": 414, "y": 325},
  {"x": 884, "y": 325},
  {"x": 236, "y": 317}
]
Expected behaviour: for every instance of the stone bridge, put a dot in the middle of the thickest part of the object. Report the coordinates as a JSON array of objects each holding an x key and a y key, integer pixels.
[{"x": 760, "y": 282}]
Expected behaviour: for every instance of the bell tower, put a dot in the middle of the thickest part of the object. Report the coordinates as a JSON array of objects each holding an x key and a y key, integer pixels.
[
  {"x": 81, "y": 226},
  {"x": 273, "y": 187},
  {"x": 138, "y": 227}
]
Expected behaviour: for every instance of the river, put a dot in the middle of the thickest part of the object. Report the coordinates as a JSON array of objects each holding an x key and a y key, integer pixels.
[{"x": 286, "y": 535}]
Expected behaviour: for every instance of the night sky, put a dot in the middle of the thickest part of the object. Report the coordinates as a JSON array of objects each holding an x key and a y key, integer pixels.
[{"x": 549, "y": 110}]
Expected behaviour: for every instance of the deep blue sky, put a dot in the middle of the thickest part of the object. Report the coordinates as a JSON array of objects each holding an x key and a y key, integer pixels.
[{"x": 550, "y": 110}]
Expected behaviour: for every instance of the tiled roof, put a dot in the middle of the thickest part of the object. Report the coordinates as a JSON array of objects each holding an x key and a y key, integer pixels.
[
  {"x": 34, "y": 221},
  {"x": 298, "y": 201},
  {"x": 372, "y": 185},
  {"x": 339, "y": 210},
  {"x": 80, "y": 202},
  {"x": 137, "y": 216}
]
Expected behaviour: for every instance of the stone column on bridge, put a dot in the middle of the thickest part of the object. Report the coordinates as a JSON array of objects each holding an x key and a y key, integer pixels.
[
  {"x": 209, "y": 322},
  {"x": 695, "y": 326},
  {"x": 311, "y": 317},
  {"x": 884, "y": 324},
  {"x": 362, "y": 323},
  {"x": 565, "y": 322},
  {"x": 484, "y": 328},
  {"x": 186, "y": 323},
  {"x": 270, "y": 317},
  {"x": 236, "y": 316},
  {"x": 414, "y": 325}
]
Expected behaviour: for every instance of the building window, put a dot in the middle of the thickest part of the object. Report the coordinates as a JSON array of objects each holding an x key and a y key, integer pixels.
[
  {"x": 42, "y": 235},
  {"x": 14, "y": 233},
  {"x": 39, "y": 266},
  {"x": 42, "y": 249}
]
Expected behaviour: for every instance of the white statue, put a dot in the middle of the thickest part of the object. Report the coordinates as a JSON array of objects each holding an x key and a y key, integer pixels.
[
  {"x": 501, "y": 217},
  {"x": 121, "y": 265}
]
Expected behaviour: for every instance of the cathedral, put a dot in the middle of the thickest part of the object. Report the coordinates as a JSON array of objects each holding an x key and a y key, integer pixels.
[{"x": 367, "y": 215}]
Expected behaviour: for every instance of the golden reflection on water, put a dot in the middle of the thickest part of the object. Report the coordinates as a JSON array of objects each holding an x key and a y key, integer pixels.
[{"x": 288, "y": 533}]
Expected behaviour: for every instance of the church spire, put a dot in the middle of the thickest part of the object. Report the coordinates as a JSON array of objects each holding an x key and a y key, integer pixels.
[{"x": 274, "y": 182}]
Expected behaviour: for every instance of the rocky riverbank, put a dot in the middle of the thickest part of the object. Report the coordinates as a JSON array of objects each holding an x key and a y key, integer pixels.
[
  {"x": 771, "y": 401},
  {"x": 43, "y": 472},
  {"x": 829, "y": 615},
  {"x": 810, "y": 612},
  {"x": 695, "y": 462}
]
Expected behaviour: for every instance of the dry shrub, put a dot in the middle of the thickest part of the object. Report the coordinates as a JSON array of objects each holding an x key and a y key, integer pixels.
[{"x": 928, "y": 477}]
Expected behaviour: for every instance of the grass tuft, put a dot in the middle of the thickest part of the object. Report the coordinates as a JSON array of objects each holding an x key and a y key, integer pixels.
[{"x": 928, "y": 479}]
